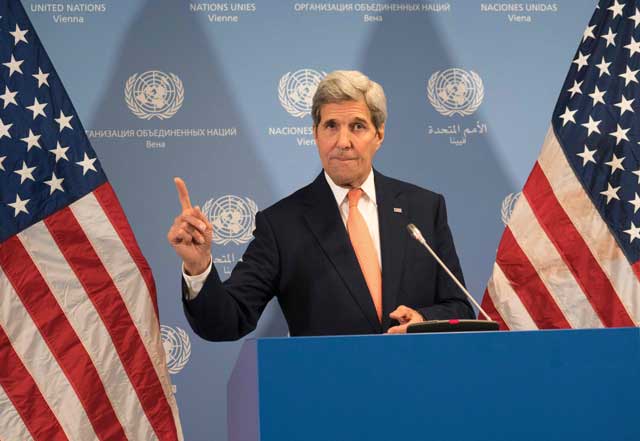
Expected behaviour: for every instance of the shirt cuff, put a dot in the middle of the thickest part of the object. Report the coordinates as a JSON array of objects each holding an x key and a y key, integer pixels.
[{"x": 195, "y": 283}]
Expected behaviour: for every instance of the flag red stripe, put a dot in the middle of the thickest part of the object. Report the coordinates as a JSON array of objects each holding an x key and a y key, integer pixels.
[
  {"x": 61, "y": 338},
  {"x": 490, "y": 308},
  {"x": 100, "y": 288},
  {"x": 525, "y": 281},
  {"x": 108, "y": 200},
  {"x": 574, "y": 251},
  {"x": 25, "y": 395}
]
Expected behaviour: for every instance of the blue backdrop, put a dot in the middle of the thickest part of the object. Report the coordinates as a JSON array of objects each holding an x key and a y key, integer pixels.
[{"x": 218, "y": 93}]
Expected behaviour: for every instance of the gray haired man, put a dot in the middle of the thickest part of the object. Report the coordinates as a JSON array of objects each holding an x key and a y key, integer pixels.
[{"x": 335, "y": 253}]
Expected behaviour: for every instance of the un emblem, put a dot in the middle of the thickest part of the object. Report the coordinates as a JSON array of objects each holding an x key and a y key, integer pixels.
[
  {"x": 296, "y": 90},
  {"x": 154, "y": 94},
  {"x": 177, "y": 347},
  {"x": 507, "y": 206},
  {"x": 233, "y": 219},
  {"x": 455, "y": 91}
]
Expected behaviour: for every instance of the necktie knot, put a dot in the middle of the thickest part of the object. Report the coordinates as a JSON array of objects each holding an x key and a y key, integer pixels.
[{"x": 354, "y": 196}]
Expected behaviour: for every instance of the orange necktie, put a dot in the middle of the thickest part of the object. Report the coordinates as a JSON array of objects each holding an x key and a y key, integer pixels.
[{"x": 365, "y": 251}]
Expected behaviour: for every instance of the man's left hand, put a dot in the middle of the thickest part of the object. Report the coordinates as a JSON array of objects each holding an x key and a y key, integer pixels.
[{"x": 405, "y": 316}]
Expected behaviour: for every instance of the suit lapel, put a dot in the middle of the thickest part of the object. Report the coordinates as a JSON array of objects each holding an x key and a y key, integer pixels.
[
  {"x": 392, "y": 218},
  {"x": 323, "y": 218}
]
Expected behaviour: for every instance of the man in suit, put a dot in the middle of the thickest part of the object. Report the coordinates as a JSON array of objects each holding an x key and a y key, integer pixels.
[{"x": 336, "y": 253}]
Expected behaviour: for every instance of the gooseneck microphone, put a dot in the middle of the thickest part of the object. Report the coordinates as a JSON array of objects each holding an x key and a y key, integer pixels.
[{"x": 417, "y": 235}]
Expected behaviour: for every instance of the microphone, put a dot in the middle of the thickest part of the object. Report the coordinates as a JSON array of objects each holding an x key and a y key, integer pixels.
[{"x": 472, "y": 324}]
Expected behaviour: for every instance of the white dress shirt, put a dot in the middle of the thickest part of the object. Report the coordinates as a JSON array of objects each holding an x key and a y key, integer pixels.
[
  {"x": 195, "y": 283},
  {"x": 367, "y": 206}
]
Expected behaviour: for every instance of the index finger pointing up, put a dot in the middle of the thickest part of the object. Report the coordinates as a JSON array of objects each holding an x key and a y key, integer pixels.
[{"x": 183, "y": 194}]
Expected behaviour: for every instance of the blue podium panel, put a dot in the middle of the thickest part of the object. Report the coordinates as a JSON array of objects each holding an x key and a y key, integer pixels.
[{"x": 539, "y": 385}]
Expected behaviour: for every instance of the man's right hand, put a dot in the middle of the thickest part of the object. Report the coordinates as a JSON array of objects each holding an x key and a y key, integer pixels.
[{"x": 191, "y": 234}]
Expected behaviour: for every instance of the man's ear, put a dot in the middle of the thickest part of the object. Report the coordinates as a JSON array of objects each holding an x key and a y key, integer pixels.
[{"x": 380, "y": 135}]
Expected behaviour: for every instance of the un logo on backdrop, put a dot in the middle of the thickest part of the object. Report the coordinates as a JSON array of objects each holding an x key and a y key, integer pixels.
[
  {"x": 455, "y": 91},
  {"x": 233, "y": 219},
  {"x": 154, "y": 94},
  {"x": 177, "y": 347},
  {"x": 295, "y": 90},
  {"x": 507, "y": 206}
]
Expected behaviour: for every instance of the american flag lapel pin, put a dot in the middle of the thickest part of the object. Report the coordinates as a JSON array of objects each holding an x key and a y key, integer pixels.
[{"x": 397, "y": 210}]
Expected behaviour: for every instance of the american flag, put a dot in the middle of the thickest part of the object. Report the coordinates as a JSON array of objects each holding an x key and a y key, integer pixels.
[
  {"x": 569, "y": 255},
  {"x": 80, "y": 350}
]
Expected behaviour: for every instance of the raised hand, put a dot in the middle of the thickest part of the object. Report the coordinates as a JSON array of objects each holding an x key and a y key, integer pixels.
[{"x": 191, "y": 233}]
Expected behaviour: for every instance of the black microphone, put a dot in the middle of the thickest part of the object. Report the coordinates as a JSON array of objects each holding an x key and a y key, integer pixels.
[{"x": 450, "y": 325}]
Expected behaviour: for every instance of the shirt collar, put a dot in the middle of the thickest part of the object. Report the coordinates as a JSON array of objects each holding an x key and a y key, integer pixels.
[{"x": 340, "y": 193}]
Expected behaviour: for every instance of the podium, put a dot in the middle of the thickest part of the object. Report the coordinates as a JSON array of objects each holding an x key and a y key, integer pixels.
[{"x": 511, "y": 386}]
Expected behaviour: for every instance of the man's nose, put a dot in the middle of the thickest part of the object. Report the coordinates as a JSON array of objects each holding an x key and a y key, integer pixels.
[{"x": 344, "y": 139}]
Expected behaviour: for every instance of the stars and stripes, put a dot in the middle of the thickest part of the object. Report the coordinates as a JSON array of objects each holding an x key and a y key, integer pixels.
[
  {"x": 569, "y": 255},
  {"x": 80, "y": 349}
]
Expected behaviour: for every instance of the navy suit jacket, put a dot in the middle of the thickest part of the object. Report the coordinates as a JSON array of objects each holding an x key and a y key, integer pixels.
[{"x": 301, "y": 254}]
